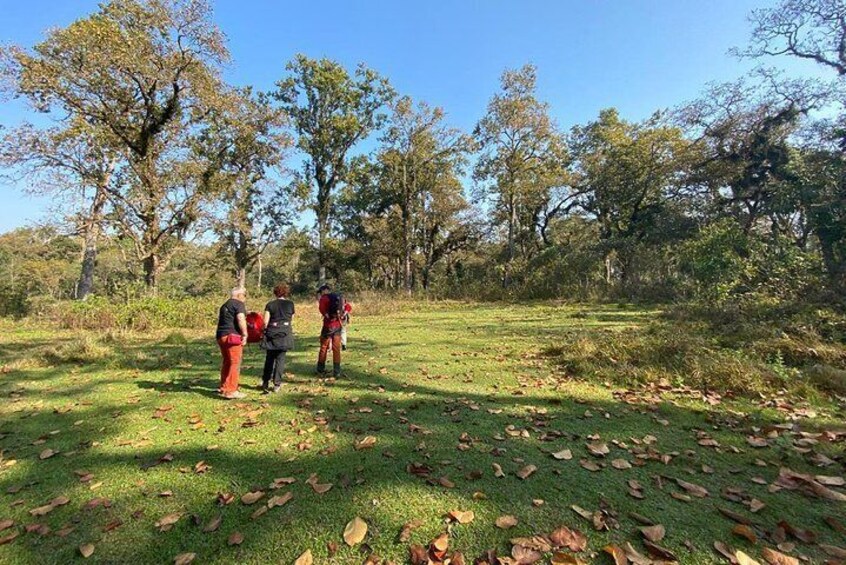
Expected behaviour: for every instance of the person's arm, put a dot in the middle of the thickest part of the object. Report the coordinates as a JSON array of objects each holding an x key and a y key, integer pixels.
[
  {"x": 242, "y": 324},
  {"x": 266, "y": 318}
]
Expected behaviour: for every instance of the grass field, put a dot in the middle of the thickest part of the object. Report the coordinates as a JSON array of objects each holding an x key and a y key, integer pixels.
[{"x": 132, "y": 434}]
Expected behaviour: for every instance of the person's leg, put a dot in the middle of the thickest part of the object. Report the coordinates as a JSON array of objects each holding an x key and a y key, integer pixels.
[
  {"x": 321, "y": 356},
  {"x": 336, "y": 354},
  {"x": 267, "y": 372},
  {"x": 279, "y": 369},
  {"x": 224, "y": 363},
  {"x": 230, "y": 385}
]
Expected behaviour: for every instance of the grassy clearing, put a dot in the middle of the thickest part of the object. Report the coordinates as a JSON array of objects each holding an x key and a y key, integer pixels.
[{"x": 417, "y": 381}]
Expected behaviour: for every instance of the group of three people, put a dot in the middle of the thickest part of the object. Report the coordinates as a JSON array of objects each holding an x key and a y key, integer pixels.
[{"x": 278, "y": 336}]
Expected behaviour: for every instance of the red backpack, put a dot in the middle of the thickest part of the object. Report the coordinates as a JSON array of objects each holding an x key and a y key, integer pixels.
[{"x": 255, "y": 327}]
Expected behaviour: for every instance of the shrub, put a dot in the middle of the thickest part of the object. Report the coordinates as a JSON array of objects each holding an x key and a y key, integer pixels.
[{"x": 82, "y": 351}]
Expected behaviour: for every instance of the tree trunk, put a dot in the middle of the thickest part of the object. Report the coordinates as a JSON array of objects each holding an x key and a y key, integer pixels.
[
  {"x": 406, "y": 230},
  {"x": 89, "y": 260},
  {"x": 152, "y": 270},
  {"x": 512, "y": 225},
  {"x": 259, "y": 271},
  {"x": 242, "y": 277}
]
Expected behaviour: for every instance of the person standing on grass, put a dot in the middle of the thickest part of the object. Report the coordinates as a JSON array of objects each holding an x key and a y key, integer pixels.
[
  {"x": 278, "y": 337},
  {"x": 231, "y": 336},
  {"x": 331, "y": 306}
]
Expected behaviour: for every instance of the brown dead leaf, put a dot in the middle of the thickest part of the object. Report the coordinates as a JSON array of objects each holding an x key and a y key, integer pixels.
[
  {"x": 355, "y": 531},
  {"x": 252, "y": 497},
  {"x": 743, "y": 559},
  {"x": 621, "y": 464},
  {"x": 774, "y": 557},
  {"x": 693, "y": 489},
  {"x": 653, "y": 533},
  {"x": 563, "y": 455},
  {"x": 86, "y": 550},
  {"x": 598, "y": 449},
  {"x": 745, "y": 531},
  {"x": 365, "y": 443},
  {"x": 461, "y": 516},
  {"x": 617, "y": 554},
  {"x": 305, "y": 559},
  {"x": 725, "y": 551},
  {"x": 589, "y": 465},
  {"x": 574, "y": 540},
  {"x": 524, "y": 555},
  {"x": 213, "y": 524},
  {"x": 279, "y": 500},
  {"x": 165, "y": 523},
  {"x": 46, "y": 454},
  {"x": 497, "y": 470},
  {"x": 506, "y": 521},
  {"x": 235, "y": 538},
  {"x": 526, "y": 472},
  {"x": 656, "y": 550},
  {"x": 184, "y": 558}
]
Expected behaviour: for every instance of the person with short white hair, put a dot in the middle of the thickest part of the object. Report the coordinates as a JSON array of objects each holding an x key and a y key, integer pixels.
[{"x": 231, "y": 336}]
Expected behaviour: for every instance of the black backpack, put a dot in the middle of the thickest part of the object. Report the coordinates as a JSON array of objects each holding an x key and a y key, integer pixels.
[{"x": 336, "y": 306}]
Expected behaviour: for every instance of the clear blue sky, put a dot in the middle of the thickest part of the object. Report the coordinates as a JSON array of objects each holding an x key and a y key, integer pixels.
[{"x": 636, "y": 55}]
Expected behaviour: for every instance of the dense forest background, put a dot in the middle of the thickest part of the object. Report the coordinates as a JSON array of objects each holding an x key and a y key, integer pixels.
[{"x": 170, "y": 182}]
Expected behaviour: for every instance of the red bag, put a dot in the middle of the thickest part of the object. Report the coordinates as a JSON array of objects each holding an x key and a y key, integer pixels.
[
  {"x": 233, "y": 339},
  {"x": 255, "y": 327}
]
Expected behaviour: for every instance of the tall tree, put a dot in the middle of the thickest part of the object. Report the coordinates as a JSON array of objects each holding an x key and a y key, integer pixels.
[
  {"x": 523, "y": 156},
  {"x": 243, "y": 144},
  {"x": 144, "y": 73},
  {"x": 70, "y": 164},
  {"x": 628, "y": 173},
  {"x": 331, "y": 111},
  {"x": 420, "y": 159}
]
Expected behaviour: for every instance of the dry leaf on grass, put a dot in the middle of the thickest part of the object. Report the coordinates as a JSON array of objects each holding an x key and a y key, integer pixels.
[
  {"x": 184, "y": 558},
  {"x": 252, "y": 497},
  {"x": 461, "y": 516},
  {"x": 86, "y": 550},
  {"x": 305, "y": 558},
  {"x": 355, "y": 531},
  {"x": 617, "y": 554},
  {"x": 236, "y": 538},
  {"x": 506, "y": 521},
  {"x": 563, "y": 455},
  {"x": 574, "y": 540},
  {"x": 774, "y": 557},
  {"x": 213, "y": 524},
  {"x": 653, "y": 533},
  {"x": 693, "y": 489},
  {"x": 526, "y": 472},
  {"x": 743, "y": 559}
]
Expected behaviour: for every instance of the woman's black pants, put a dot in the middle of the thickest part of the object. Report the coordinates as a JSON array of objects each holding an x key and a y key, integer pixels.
[{"x": 274, "y": 367}]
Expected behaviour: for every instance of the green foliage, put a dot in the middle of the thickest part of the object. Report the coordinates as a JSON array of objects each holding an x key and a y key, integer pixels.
[
  {"x": 139, "y": 315},
  {"x": 715, "y": 260}
]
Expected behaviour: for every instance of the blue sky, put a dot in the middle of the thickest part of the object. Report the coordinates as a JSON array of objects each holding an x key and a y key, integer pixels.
[{"x": 636, "y": 55}]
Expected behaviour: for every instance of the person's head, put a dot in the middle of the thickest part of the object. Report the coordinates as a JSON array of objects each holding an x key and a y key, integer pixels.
[
  {"x": 324, "y": 289},
  {"x": 239, "y": 293},
  {"x": 281, "y": 290}
]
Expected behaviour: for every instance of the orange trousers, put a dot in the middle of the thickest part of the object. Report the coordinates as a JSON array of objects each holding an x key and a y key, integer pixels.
[
  {"x": 335, "y": 341},
  {"x": 230, "y": 368}
]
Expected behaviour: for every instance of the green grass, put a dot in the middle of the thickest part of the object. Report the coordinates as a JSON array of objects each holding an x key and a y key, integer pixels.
[{"x": 416, "y": 380}]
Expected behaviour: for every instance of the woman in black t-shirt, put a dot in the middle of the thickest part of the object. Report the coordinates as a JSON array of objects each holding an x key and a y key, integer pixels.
[{"x": 278, "y": 337}]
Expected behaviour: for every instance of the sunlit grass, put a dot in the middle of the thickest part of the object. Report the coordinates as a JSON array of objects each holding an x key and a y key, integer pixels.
[{"x": 448, "y": 371}]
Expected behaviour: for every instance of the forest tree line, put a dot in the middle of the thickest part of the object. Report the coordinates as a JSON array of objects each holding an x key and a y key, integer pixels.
[{"x": 169, "y": 180}]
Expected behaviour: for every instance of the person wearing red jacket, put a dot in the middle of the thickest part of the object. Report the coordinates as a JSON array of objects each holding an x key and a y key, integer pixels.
[{"x": 330, "y": 333}]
